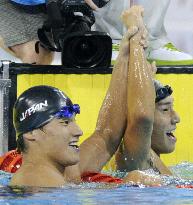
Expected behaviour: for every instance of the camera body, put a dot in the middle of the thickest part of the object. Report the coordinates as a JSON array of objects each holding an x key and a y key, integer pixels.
[
  {"x": 68, "y": 30},
  {"x": 73, "y": 9}
]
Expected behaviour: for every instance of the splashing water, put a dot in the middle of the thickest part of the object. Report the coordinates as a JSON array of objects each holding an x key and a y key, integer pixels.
[{"x": 100, "y": 193}]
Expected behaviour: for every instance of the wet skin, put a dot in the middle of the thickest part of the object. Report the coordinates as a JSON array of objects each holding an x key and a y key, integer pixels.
[
  {"x": 165, "y": 120},
  {"x": 60, "y": 141},
  {"x": 52, "y": 159},
  {"x": 162, "y": 140},
  {"x": 49, "y": 150}
]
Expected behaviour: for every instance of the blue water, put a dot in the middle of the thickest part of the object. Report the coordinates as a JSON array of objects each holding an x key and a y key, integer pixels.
[{"x": 93, "y": 193}]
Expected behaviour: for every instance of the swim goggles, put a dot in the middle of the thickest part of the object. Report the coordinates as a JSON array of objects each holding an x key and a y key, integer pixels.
[
  {"x": 68, "y": 111},
  {"x": 163, "y": 92}
]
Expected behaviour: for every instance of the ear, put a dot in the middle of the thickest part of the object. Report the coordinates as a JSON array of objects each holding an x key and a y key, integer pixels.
[
  {"x": 29, "y": 136},
  {"x": 34, "y": 135}
]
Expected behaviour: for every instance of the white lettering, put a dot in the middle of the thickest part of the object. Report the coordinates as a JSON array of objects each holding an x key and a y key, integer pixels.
[{"x": 33, "y": 109}]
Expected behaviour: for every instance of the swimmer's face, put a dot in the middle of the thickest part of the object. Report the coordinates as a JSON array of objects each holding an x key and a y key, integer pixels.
[
  {"x": 165, "y": 120},
  {"x": 60, "y": 143}
]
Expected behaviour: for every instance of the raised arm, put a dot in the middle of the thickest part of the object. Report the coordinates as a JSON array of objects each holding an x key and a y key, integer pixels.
[
  {"x": 134, "y": 152},
  {"x": 111, "y": 123}
]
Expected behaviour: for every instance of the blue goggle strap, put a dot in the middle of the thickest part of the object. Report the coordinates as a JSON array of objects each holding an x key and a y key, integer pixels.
[{"x": 68, "y": 111}]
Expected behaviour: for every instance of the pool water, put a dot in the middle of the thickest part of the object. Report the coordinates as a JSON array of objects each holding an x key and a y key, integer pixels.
[{"x": 95, "y": 193}]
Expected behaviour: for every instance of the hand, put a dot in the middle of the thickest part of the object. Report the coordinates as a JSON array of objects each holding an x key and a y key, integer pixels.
[
  {"x": 152, "y": 67},
  {"x": 140, "y": 178},
  {"x": 133, "y": 20},
  {"x": 91, "y": 4},
  {"x": 133, "y": 17}
]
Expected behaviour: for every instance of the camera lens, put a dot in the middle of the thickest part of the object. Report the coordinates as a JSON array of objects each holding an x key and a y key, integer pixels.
[
  {"x": 84, "y": 50},
  {"x": 87, "y": 51}
]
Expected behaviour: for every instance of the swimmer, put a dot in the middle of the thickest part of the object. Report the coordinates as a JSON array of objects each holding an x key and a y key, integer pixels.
[
  {"x": 145, "y": 140},
  {"x": 160, "y": 134},
  {"x": 47, "y": 134},
  {"x": 44, "y": 119}
]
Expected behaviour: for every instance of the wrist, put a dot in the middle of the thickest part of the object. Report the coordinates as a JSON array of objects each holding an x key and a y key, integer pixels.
[{"x": 134, "y": 42}]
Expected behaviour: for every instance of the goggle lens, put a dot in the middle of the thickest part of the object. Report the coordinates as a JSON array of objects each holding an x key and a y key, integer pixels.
[
  {"x": 68, "y": 111},
  {"x": 162, "y": 93}
]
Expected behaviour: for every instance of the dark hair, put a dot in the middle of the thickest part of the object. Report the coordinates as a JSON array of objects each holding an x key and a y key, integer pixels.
[{"x": 21, "y": 146}]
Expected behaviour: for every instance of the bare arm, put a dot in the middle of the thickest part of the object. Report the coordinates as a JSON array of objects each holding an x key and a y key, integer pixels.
[
  {"x": 139, "y": 177},
  {"x": 135, "y": 150},
  {"x": 111, "y": 123},
  {"x": 159, "y": 165},
  {"x": 91, "y": 4},
  {"x": 2, "y": 45}
]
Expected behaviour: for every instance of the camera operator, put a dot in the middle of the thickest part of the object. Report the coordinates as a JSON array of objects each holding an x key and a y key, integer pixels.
[
  {"x": 160, "y": 48},
  {"x": 18, "y": 30}
]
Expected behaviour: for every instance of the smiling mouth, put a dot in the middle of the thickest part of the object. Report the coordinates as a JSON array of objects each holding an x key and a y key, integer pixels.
[
  {"x": 171, "y": 136},
  {"x": 74, "y": 145}
]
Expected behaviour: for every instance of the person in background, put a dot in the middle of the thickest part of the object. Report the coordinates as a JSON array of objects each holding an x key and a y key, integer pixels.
[
  {"x": 18, "y": 32},
  {"x": 19, "y": 25},
  {"x": 160, "y": 48}
]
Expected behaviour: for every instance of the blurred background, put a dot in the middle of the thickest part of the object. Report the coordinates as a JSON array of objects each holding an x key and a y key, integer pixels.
[{"x": 178, "y": 23}]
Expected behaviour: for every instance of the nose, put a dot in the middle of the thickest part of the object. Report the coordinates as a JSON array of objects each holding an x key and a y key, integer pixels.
[
  {"x": 76, "y": 130},
  {"x": 175, "y": 117}
]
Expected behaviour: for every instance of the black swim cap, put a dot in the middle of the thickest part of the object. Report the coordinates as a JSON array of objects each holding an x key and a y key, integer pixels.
[
  {"x": 161, "y": 91},
  {"x": 37, "y": 106}
]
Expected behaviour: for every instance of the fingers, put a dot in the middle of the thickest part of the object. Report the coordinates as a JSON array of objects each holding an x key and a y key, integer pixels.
[
  {"x": 137, "y": 9},
  {"x": 133, "y": 17},
  {"x": 144, "y": 33},
  {"x": 142, "y": 36},
  {"x": 143, "y": 43},
  {"x": 154, "y": 68},
  {"x": 91, "y": 4},
  {"x": 125, "y": 15},
  {"x": 144, "y": 40},
  {"x": 131, "y": 32}
]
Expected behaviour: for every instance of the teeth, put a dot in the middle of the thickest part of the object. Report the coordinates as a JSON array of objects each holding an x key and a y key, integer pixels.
[
  {"x": 74, "y": 144},
  {"x": 170, "y": 134}
]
